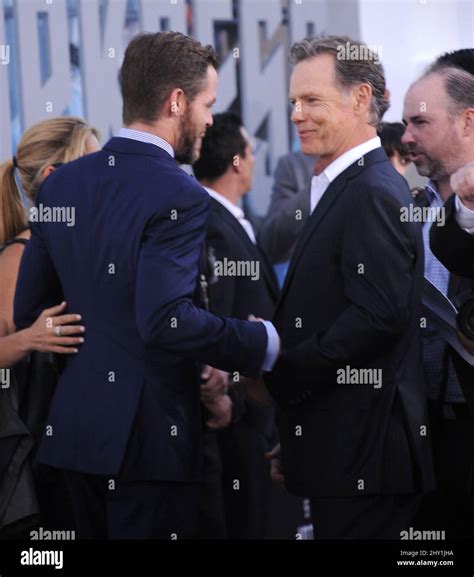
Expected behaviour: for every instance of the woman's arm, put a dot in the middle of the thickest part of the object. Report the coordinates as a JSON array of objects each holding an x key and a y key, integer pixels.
[{"x": 41, "y": 336}]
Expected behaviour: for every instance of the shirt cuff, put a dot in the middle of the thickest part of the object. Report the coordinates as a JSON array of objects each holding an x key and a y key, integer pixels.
[
  {"x": 273, "y": 347},
  {"x": 464, "y": 216}
]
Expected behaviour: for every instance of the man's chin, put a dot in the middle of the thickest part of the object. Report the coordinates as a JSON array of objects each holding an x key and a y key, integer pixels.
[{"x": 309, "y": 148}]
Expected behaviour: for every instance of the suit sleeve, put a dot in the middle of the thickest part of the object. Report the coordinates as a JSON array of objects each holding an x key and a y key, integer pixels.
[
  {"x": 378, "y": 265},
  {"x": 281, "y": 228},
  {"x": 38, "y": 286},
  {"x": 167, "y": 270},
  {"x": 452, "y": 245}
]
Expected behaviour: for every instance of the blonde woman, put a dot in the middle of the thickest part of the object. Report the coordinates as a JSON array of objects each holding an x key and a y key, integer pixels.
[
  {"x": 30, "y": 494},
  {"x": 43, "y": 147}
]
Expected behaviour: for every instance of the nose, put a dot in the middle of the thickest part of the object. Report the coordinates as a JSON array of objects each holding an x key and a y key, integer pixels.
[
  {"x": 407, "y": 136},
  {"x": 297, "y": 113},
  {"x": 210, "y": 120}
]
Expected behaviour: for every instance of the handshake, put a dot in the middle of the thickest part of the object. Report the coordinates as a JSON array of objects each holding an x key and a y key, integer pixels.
[{"x": 215, "y": 388}]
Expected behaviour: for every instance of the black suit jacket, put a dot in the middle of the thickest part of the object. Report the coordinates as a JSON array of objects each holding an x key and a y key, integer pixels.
[
  {"x": 459, "y": 287},
  {"x": 240, "y": 296},
  {"x": 352, "y": 297},
  {"x": 452, "y": 245}
]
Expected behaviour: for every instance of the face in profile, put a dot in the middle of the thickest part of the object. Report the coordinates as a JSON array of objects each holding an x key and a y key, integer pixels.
[
  {"x": 195, "y": 121},
  {"x": 432, "y": 134}
]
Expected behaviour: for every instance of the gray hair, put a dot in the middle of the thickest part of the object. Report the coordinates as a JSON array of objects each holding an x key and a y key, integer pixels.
[{"x": 355, "y": 63}]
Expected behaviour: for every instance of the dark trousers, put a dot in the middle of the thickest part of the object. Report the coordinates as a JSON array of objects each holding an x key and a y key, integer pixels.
[
  {"x": 107, "y": 508},
  {"x": 245, "y": 480},
  {"x": 211, "y": 520},
  {"x": 371, "y": 517},
  {"x": 451, "y": 507}
]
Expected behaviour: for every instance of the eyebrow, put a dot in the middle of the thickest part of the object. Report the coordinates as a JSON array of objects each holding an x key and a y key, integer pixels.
[
  {"x": 305, "y": 95},
  {"x": 413, "y": 119}
]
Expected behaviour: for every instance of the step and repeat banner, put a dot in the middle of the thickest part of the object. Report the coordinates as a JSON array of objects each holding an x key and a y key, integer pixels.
[{"x": 62, "y": 57}]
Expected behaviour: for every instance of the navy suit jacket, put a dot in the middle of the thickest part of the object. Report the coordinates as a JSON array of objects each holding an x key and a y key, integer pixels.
[
  {"x": 129, "y": 266},
  {"x": 352, "y": 298}
]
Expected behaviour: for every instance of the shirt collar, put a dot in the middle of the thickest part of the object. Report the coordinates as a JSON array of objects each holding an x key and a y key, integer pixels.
[
  {"x": 147, "y": 137},
  {"x": 333, "y": 170},
  {"x": 226, "y": 203},
  {"x": 432, "y": 192}
]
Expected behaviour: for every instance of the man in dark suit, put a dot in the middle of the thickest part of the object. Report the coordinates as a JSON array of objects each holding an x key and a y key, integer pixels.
[
  {"x": 349, "y": 382},
  {"x": 453, "y": 244},
  {"x": 225, "y": 169},
  {"x": 125, "y": 420},
  {"x": 440, "y": 137}
]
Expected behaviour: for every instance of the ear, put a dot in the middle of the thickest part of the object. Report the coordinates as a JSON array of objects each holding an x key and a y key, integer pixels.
[
  {"x": 176, "y": 103},
  {"x": 236, "y": 160},
  {"x": 468, "y": 124},
  {"x": 47, "y": 171},
  {"x": 362, "y": 94}
]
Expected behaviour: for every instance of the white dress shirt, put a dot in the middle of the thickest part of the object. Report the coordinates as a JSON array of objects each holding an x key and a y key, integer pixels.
[
  {"x": 464, "y": 216},
  {"x": 320, "y": 183},
  {"x": 236, "y": 211}
]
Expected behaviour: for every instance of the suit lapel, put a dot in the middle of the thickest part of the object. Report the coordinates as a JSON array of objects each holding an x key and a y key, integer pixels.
[{"x": 327, "y": 200}]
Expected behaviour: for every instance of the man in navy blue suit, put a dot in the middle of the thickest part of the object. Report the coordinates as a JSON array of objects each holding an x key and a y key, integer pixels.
[{"x": 125, "y": 422}]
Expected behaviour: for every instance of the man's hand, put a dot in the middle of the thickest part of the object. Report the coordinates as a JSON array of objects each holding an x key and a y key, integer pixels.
[
  {"x": 221, "y": 411},
  {"x": 256, "y": 391},
  {"x": 215, "y": 385},
  {"x": 255, "y": 319},
  {"x": 276, "y": 470},
  {"x": 466, "y": 343},
  {"x": 462, "y": 182}
]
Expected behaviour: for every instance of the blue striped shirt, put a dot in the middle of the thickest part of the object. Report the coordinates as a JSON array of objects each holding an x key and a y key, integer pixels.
[{"x": 148, "y": 137}]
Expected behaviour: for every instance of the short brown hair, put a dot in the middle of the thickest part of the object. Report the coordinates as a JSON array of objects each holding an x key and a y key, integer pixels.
[
  {"x": 364, "y": 69},
  {"x": 157, "y": 63}
]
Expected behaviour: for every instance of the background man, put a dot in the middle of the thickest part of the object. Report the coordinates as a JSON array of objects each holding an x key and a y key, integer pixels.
[
  {"x": 225, "y": 168},
  {"x": 439, "y": 119},
  {"x": 289, "y": 206},
  {"x": 453, "y": 244}
]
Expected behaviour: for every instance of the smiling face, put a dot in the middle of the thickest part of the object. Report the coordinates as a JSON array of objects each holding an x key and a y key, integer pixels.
[
  {"x": 432, "y": 134},
  {"x": 322, "y": 111},
  {"x": 196, "y": 119}
]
